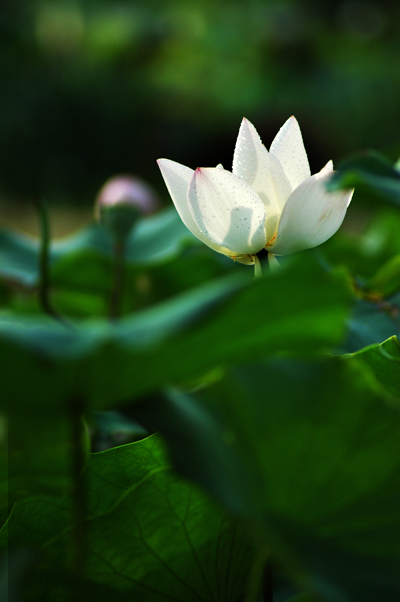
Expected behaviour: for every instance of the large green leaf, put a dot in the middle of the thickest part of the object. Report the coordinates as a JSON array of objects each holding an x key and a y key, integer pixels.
[
  {"x": 371, "y": 173},
  {"x": 299, "y": 309},
  {"x": 82, "y": 282},
  {"x": 317, "y": 475},
  {"x": 47, "y": 365},
  {"x": 384, "y": 361},
  {"x": 364, "y": 253},
  {"x": 38, "y": 459},
  {"x": 155, "y": 240},
  {"x": 81, "y": 268},
  {"x": 149, "y": 536},
  {"x": 18, "y": 257},
  {"x": 386, "y": 281},
  {"x": 372, "y": 322}
]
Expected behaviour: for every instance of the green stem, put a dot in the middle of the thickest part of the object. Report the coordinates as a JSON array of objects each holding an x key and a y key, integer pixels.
[
  {"x": 118, "y": 270},
  {"x": 78, "y": 500},
  {"x": 257, "y": 267},
  {"x": 44, "y": 257},
  {"x": 44, "y": 261}
]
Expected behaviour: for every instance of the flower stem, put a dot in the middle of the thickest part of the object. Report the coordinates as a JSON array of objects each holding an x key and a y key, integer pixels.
[
  {"x": 44, "y": 253},
  {"x": 257, "y": 267},
  {"x": 44, "y": 257},
  {"x": 118, "y": 269},
  {"x": 78, "y": 499}
]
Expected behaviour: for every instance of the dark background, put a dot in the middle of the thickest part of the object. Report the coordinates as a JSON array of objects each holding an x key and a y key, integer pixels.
[{"x": 90, "y": 88}]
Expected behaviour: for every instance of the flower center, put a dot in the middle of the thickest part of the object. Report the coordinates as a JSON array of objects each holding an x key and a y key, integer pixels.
[{"x": 271, "y": 241}]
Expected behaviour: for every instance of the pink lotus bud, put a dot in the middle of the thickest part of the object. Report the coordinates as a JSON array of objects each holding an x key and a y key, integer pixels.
[
  {"x": 128, "y": 190},
  {"x": 122, "y": 200}
]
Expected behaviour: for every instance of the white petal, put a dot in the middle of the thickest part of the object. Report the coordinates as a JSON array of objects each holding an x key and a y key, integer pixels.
[
  {"x": 327, "y": 168},
  {"x": 251, "y": 163},
  {"x": 177, "y": 178},
  {"x": 310, "y": 216},
  {"x": 227, "y": 210},
  {"x": 282, "y": 186},
  {"x": 289, "y": 149}
]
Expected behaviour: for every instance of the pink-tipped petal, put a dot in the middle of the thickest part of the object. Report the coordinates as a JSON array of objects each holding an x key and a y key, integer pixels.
[
  {"x": 311, "y": 215},
  {"x": 227, "y": 210},
  {"x": 177, "y": 177}
]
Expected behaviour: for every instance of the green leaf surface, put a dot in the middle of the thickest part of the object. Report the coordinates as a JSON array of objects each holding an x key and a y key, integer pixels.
[
  {"x": 384, "y": 361},
  {"x": 364, "y": 253},
  {"x": 155, "y": 240},
  {"x": 386, "y": 281},
  {"x": 372, "y": 322},
  {"x": 35, "y": 463},
  {"x": 319, "y": 446},
  {"x": 38, "y": 456},
  {"x": 48, "y": 365},
  {"x": 19, "y": 258},
  {"x": 369, "y": 172},
  {"x": 299, "y": 309},
  {"x": 149, "y": 535},
  {"x": 81, "y": 268}
]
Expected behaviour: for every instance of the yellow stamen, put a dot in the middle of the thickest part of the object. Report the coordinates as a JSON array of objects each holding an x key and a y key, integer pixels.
[{"x": 271, "y": 241}]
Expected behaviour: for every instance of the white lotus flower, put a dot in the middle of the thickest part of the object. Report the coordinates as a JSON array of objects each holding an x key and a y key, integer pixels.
[{"x": 269, "y": 201}]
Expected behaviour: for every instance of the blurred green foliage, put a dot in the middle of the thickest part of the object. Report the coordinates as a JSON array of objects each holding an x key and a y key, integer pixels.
[
  {"x": 297, "y": 447},
  {"x": 278, "y": 398},
  {"x": 93, "y": 88}
]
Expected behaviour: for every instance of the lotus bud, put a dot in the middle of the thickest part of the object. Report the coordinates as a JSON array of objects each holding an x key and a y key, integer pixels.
[{"x": 122, "y": 201}]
